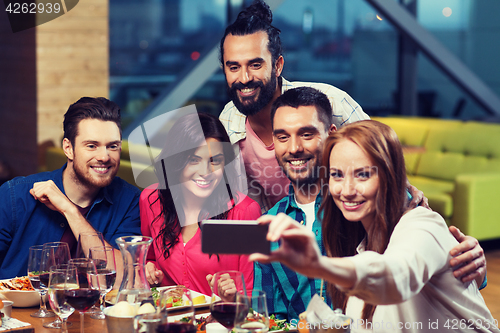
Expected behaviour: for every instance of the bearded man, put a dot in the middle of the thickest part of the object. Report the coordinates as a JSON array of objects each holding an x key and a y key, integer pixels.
[
  {"x": 83, "y": 196},
  {"x": 252, "y": 61}
]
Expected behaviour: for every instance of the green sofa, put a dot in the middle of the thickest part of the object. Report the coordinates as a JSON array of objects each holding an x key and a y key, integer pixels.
[{"x": 457, "y": 166}]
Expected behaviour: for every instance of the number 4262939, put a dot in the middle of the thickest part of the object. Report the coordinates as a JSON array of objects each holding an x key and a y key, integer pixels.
[{"x": 33, "y": 8}]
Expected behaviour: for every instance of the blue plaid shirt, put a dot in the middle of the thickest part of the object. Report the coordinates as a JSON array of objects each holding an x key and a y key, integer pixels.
[{"x": 288, "y": 293}]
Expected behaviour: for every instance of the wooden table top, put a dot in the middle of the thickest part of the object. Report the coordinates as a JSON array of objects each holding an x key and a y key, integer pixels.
[
  {"x": 90, "y": 325},
  {"x": 23, "y": 314}
]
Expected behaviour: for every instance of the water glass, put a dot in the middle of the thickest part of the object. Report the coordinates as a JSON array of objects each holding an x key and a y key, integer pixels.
[{"x": 257, "y": 318}]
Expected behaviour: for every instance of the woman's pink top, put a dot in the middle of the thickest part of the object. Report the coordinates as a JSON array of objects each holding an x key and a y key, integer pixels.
[{"x": 187, "y": 265}]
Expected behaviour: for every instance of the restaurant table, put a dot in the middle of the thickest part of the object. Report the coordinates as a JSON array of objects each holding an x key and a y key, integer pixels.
[
  {"x": 90, "y": 325},
  {"x": 23, "y": 314}
]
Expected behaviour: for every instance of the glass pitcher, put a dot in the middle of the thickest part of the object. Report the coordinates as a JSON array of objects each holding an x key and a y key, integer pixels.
[{"x": 134, "y": 287}]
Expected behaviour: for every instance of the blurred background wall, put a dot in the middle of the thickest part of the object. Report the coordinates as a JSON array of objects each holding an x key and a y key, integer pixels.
[
  {"x": 137, "y": 53},
  {"x": 42, "y": 71}
]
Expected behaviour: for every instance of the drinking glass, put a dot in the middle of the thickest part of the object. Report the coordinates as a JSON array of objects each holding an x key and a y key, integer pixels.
[
  {"x": 53, "y": 253},
  {"x": 257, "y": 317},
  {"x": 61, "y": 277},
  {"x": 86, "y": 240},
  {"x": 223, "y": 306},
  {"x": 104, "y": 260},
  {"x": 34, "y": 261},
  {"x": 149, "y": 322},
  {"x": 87, "y": 293},
  {"x": 181, "y": 295}
]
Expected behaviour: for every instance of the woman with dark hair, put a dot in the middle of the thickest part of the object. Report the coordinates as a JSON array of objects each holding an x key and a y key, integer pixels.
[
  {"x": 388, "y": 266},
  {"x": 194, "y": 169}
]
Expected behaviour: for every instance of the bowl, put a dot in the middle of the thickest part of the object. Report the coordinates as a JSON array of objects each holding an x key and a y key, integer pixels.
[
  {"x": 22, "y": 298},
  {"x": 119, "y": 324},
  {"x": 7, "y": 308}
]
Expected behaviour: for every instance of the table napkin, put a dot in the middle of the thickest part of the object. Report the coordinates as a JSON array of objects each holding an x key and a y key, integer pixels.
[
  {"x": 10, "y": 323},
  {"x": 319, "y": 312}
]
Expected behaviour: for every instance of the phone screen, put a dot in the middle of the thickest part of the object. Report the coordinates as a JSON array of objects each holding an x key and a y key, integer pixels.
[{"x": 234, "y": 237}]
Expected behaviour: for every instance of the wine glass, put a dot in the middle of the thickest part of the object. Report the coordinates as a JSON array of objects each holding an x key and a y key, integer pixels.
[
  {"x": 34, "y": 261},
  {"x": 88, "y": 291},
  {"x": 61, "y": 277},
  {"x": 149, "y": 322},
  {"x": 256, "y": 319},
  {"x": 223, "y": 306},
  {"x": 86, "y": 240},
  {"x": 53, "y": 253},
  {"x": 104, "y": 260},
  {"x": 181, "y": 295}
]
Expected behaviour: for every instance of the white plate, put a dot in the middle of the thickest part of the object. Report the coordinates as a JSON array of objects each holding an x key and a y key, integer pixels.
[{"x": 22, "y": 298}]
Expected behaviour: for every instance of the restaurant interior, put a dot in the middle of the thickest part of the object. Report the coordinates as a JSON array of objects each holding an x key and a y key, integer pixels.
[{"x": 427, "y": 68}]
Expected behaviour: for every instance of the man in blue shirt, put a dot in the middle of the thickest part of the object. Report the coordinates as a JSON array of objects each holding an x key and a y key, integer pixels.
[
  {"x": 83, "y": 196},
  {"x": 302, "y": 119}
]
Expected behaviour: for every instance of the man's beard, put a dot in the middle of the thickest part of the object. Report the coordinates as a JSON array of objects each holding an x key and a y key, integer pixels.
[
  {"x": 311, "y": 178},
  {"x": 266, "y": 94},
  {"x": 88, "y": 181}
]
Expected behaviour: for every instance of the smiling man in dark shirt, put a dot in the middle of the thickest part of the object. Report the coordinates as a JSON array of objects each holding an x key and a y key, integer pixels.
[{"x": 83, "y": 196}]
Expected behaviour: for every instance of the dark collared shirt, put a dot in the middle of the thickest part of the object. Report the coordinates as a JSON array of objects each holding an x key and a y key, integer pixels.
[{"x": 25, "y": 221}]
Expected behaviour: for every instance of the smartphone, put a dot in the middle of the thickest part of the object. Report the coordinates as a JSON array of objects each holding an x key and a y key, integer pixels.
[{"x": 234, "y": 237}]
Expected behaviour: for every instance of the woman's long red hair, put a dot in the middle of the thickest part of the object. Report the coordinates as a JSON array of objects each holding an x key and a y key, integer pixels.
[{"x": 342, "y": 237}]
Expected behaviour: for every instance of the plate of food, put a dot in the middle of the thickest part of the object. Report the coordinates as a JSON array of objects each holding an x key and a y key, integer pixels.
[
  {"x": 202, "y": 320},
  {"x": 19, "y": 291},
  {"x": 199, "y": 300},
  {"x": 280, "y": 325}
]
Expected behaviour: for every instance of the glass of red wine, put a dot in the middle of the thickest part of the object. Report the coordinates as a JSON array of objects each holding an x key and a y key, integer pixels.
[
  {"x": 87, "y": 240},
  {"x": 224, "y": 306},
  {"x": 177, "y": 298},
  {"x": 104, "y": 260},
  {"x": 34, "y": 261},
  {"x": 88, "y": 291},
  {"x": 53, "y": 253}
]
